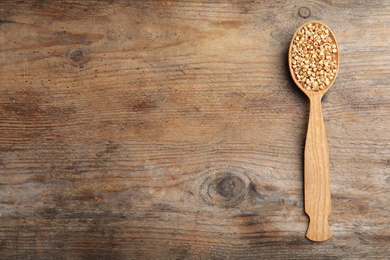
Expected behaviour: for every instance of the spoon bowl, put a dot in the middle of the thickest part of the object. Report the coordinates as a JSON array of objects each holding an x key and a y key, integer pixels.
[
  {"x": 314, "y": 63},
  {"x": 336, "y": 56}
]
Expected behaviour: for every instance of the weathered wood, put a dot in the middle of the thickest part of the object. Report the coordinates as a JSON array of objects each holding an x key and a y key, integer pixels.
[{"x": 155, "y": 129}]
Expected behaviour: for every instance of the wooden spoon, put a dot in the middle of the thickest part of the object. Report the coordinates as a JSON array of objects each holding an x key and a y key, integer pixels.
[{"x": 316, "y": 172}]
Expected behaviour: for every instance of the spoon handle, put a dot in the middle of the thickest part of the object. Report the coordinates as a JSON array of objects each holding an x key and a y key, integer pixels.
[{"x": 317, "y": 183}]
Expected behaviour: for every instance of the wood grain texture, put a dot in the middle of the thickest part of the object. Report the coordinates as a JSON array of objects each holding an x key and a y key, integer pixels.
[
  {"x": 316, "y": 173},
  {"x": 173, "y": 129}
]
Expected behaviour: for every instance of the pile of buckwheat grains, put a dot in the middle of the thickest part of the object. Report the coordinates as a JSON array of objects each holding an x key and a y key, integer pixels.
[{"x": 313, "y": 57}]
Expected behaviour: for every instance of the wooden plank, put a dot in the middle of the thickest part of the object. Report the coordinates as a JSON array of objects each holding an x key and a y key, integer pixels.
[{"x": 157, "y": 129}]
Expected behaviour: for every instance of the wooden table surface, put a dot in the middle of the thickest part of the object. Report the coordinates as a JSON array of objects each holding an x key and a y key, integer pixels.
[{"x": 173, "y": 130}]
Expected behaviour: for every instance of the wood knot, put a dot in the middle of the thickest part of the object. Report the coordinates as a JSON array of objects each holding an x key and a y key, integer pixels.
[
  {"x": 304, "y": 12},
  {"x": 230, "y": 186},
  {"x": 224, "y": 189},
  {"x": 76, "y": 56}
]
